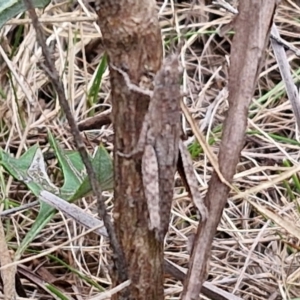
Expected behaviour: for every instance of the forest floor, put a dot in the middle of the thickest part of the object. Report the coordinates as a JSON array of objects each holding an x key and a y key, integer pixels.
[{"x": 254, "y": 256}]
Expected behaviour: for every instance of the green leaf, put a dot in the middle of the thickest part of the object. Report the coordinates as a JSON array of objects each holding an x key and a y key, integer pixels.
[
  {"x": 56, "y": 292},
  {"x": 72, "y": 168},
  {"x": 18, "y": 167},
  {"x": 95, "y": 88},
  {"x": 11, "y": 8},
  {"x": 103, "y": 167},
  {"x": 30, "y": 168}
]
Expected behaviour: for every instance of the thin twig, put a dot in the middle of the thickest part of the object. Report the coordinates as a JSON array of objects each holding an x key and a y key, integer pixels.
[
  {"x": 14, "y": 210},
  {"x": 53, "y": 75}
]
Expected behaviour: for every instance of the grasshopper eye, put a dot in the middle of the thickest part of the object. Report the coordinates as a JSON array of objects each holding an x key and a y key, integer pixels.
[{"x": 168, "y": 73}]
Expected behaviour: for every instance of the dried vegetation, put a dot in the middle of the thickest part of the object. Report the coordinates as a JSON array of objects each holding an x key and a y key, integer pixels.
[{"x": 252, "y": 257}]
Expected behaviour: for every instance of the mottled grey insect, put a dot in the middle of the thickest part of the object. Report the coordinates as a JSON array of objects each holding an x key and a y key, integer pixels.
[{"x": 160, "y": 145}]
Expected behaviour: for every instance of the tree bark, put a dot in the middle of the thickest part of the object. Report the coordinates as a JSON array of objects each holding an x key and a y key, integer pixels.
[{"x": 132, "y": 38}]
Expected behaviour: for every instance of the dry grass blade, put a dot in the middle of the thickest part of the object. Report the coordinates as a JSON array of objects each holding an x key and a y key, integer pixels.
[
  {"x": 274, "y": 33},
  {"x": 74, "y": 212},
  {"x": 278, "y": 45},
  {"x": 285, "y": 72},
  {"x": 213, "y": 159},
  {"x": 8, "y": 274},
  {"x": 267, "y": 184},
  {"x": 109, "y": 294},
  {"x": 45, "y": 253},
  {"x": 288, "y": 225},
  {"x": 267, "y": 174}
]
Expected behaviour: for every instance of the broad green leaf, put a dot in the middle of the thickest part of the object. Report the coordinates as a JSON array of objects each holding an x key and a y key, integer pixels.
[
  {"x": 76, "y": 183},
  {"x": 37, "y": 175},
  {"x": 11, "y": 8},
  {"x": 103, "y": 167},
  {"x": 73, "y": 169},
  {"x": 18, "y": 167},
  {"x": 30, "y": 168}
]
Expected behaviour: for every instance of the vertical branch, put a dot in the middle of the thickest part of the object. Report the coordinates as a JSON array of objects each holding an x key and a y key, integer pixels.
[
  {"x": 252, "y": 26},
  {"x": 53, "y": 75},
  {"x": 132, "y": 38}
]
